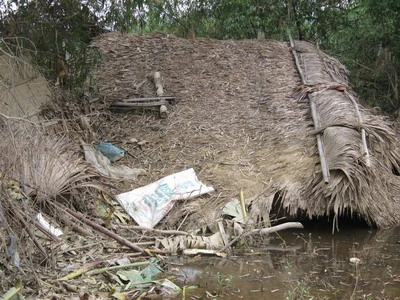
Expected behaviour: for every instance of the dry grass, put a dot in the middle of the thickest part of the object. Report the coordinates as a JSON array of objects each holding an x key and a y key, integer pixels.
[{"x": 45, "y": 166}]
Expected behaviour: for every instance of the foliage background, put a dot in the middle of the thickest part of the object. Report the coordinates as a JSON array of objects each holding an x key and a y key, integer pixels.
[{"x": 363, "y": 34}]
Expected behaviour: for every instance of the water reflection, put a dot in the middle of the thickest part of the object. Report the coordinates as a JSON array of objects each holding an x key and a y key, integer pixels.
[{"x": 301, "y": 265}]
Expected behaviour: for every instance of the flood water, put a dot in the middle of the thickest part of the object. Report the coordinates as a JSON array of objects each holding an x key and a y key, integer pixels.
[{"x": 301, "y": 264}]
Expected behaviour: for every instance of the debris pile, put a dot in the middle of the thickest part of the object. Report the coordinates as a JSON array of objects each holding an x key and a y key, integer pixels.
[
  {"x": 95, "y": 191},
  {"x": 242, "y": 123}
]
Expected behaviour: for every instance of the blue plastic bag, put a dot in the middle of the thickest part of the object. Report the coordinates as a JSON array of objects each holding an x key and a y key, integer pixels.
[{"x": 110, "y": 151}]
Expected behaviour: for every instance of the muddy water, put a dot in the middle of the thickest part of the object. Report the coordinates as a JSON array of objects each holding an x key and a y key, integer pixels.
[{"x": 301, "y": 264}]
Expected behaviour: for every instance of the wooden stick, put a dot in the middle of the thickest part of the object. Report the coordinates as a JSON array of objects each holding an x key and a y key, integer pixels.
[
  {"x": 148, "y": 99},
  {"x": 139, "y": 104},
  {"x": 224, "y": 236},
  {"x": 275, "y": 228},
  {"x": 278, "y": 248},
  {"x": 74, "y": 225},
  {"x": 102, "y": 270},
  {"x": 81, "y": 247},
  {"x": 242, "y": 204},
  {"x": 27, "y": 227},
  {"x": 263, "y": 231},
  {"x": 320, "y": 144},
  {"x": 160, "y": 93},
  {"x": 172, "y": 232},
  {"x": 84, "y": 269},
  {"x": 163, "y": 111},
  {"x": 100, "y": 228},
  {"x": 157, "y": 82},
  {"x": 363, "y": 134}
]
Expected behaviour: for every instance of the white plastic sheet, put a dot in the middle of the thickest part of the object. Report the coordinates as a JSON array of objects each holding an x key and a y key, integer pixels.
[
  {"x": 149, "y": 204},
  {"x": 103, "y": 165},
  {"x": 47, "y": 226}
]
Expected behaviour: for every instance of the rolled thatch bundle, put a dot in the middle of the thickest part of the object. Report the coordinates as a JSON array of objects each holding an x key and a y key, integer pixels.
[
  {"x": 240, "y": 122},
  {"x": 363, "y": 172}
]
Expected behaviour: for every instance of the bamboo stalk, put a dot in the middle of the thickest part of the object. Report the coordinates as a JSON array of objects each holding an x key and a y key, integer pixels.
[
  {"x": 148, "y": 99},
  {"x": 320, "y": 144},
  {"x": 12, "y": 293},
  {"x": 263, "y": 231},
  {"x": 224, "y": 236},
  {"x": 275, "y": 228},
  {"x": 160, "y": 93},
  {"x": 139, "y": 104},
  {"x": 100, "y": 228},
  {"x": 157, "y": 82},
  {"x": 102, "y": 270},
  {"x": 167, "y": 232},
  {"x": 84, "y": 269},
  {"x": 243, "y": 206},
  {"x": 27, "y": 226},
  {"x": 363, "y": 133}
]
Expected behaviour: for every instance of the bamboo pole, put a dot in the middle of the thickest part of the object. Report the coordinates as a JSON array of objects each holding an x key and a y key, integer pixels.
[
  {"x": 100, "y": 228},
  {"x": 315, "y": 117},
  {"x": 267, "y": 230},
  {"x": 145, "y": 99},
  {"x": 157, "y": 82},
  {"x": 160, "y": 93},
  {"x": 139, "y": 104},
  {"x": 363, "y": 133}
]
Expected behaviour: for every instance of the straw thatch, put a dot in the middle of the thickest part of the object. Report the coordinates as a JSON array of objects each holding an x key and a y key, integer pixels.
[{"x": 241, "y": 122}]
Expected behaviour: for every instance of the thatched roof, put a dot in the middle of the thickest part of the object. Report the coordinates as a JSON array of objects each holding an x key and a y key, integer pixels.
[{"x": 241, "y": 122}]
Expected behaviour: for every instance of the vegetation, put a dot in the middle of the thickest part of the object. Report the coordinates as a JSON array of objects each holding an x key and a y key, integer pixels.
[{"x": 364, "y": 34}]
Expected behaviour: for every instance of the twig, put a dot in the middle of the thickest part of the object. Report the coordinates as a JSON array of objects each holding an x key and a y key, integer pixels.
[
  {"x": 183, "y": 221},
  {"x": 243, "y": 206},
  {"x": 363, "y": 134},
  {"x": 27, "y": 227},
  {"x": 275, "y": 228},
  {"x": 85, "y": 268},
  {"x": 74, "y": 225},
  {"x": 263, "y": 231},
  {"x": 224, "y": 236},
  {"x": 81, "y": 247},
  {"x": 167, "y": 232},
  {"x": 356, "y": 283},
  {"x": 100, "y": 228},
  {"x": 17, "y": 118},
  {"x": 170, "y": 98},
  {"x": 138, "y": 104},
  {"x": 102, "y": 270}
]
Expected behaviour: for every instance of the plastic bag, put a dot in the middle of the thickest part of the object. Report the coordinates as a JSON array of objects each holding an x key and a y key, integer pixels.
[{"x": 149, "y": 204}]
